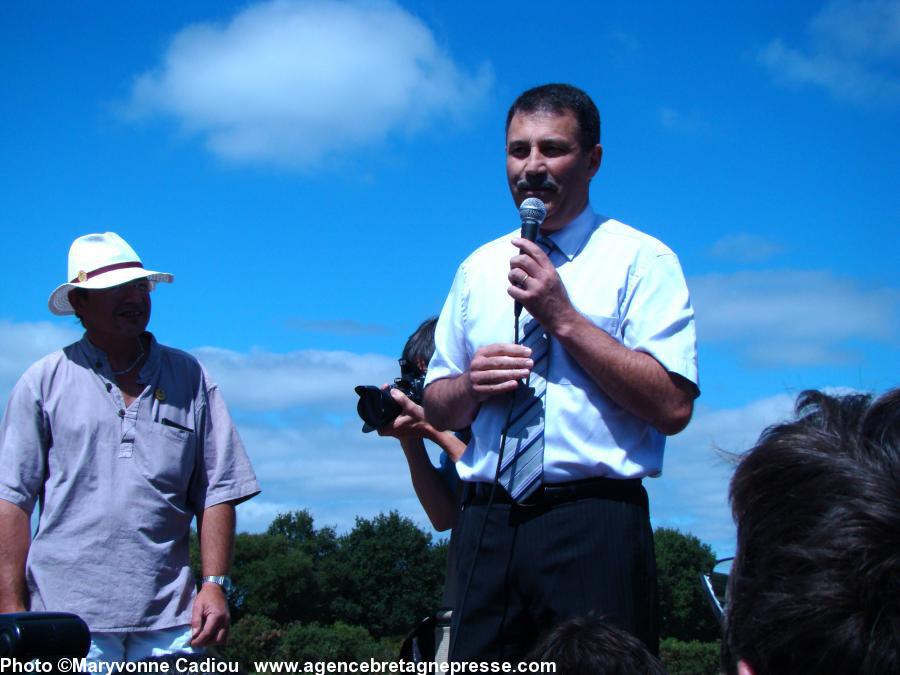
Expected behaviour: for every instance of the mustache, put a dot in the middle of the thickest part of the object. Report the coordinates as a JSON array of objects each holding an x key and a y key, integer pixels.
[
  {"x": 132, "y": 307},
  {"x": 544, "y": 183}
]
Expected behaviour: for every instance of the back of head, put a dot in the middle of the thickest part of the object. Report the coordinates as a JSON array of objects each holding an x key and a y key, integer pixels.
[
  {"x": 590, "y": 645},
  {"x": 815, "y": 585},
  {"x": 556, "y": 99},
  {"x": 419, "y": 348}
]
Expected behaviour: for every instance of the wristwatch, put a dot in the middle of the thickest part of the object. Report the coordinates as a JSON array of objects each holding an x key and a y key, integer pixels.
[{"x": 223, "y": 581}]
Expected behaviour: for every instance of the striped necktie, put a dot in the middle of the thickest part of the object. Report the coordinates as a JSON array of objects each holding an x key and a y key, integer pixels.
[{"x": 523, "y": 461}]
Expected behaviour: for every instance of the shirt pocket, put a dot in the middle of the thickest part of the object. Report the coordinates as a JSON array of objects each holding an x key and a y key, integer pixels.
[{"x": 164, "y": 456}]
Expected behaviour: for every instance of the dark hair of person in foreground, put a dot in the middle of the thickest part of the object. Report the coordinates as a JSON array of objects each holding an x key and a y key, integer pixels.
[
  {"x": 815, "y": 585},
  {"x": 590, "y": 645}
]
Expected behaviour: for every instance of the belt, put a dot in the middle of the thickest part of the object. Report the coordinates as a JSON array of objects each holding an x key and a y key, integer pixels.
[{"x": 622, "y": 490}]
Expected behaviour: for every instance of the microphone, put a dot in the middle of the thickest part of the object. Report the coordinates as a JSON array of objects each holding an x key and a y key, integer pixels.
[{"x": 532, "y": 213}]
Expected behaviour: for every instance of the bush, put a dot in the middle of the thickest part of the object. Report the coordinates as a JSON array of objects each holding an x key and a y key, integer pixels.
[
  {"x": 253, "y": 638},
  {"x": 385, "y": 575},
  {"x": 690, "y": 658},
  {"x": 312, "y": 642}
]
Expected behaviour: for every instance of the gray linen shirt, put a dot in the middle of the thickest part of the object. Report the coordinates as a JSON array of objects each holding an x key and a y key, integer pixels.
[{"x": 118, "y": 486}]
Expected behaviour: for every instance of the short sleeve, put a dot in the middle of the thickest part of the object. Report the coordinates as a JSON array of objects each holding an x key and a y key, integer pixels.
[
  {"x": 451, "y": 356},
  {"x": 659, "y": 319},
  {"x": 24, "y": 443},
  {"x": 223, "y": 472}
]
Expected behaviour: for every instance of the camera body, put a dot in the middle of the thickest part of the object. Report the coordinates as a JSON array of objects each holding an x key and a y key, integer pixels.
[{"x": 376, "y": 406}]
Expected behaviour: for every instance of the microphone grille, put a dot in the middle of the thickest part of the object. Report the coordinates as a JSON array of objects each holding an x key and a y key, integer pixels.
[{"x": 532, "y": 209}]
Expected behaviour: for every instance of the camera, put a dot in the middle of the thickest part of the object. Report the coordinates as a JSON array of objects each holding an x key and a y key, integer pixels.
[
  {"x": 376, "y": 407},
  {"x": 33, "y": 635}
]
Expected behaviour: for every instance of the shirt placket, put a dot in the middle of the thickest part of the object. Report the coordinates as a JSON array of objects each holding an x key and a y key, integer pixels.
[
  {"x": 129, "y": 428},
  {"x": 128, "y": 417}
]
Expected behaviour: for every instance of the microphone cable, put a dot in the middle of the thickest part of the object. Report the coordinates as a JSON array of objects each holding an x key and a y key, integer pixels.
[
  {"x": 490, "y": 503},
  {"x": 532, "y": 213}
]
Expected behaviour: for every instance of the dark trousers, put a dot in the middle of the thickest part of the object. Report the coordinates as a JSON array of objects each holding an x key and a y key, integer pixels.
[{"x": 539, "y": 565}]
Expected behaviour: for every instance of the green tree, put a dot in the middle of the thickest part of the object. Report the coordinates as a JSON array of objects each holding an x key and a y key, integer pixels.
[
  {"x": 274, "y": 578},
  {"x": 279, "y": 574},
  {"x": 297, "y": 527},
  {"x": 684, "y": 611},
  {"x": 384, "y": 575},
  {"x": 253, "y": 638}
]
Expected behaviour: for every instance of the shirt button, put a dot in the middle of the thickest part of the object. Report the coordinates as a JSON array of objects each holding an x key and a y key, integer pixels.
[
  {"x": 109, "y": 386},
  {"x": 121, "y": 413}
]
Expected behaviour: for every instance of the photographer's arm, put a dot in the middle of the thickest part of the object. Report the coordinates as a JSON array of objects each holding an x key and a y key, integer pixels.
[
  {"x": 433, "y": 493},
  {"x": 410, "y": 428},
  {"x": 15, "y": 540}
]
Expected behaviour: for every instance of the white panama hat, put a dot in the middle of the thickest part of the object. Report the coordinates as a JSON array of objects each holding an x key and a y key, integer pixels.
[{"x": 100, "y": 261}]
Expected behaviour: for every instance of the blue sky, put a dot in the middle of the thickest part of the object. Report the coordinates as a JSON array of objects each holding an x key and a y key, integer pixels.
[{"x": 313, "y": 172}]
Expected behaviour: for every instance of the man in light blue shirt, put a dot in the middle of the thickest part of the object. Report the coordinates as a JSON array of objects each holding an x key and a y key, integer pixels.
[{"x": 621, "y": 374}]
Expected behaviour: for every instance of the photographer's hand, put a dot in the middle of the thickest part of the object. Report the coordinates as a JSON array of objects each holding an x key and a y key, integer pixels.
[{"x": 410, "y": 423}]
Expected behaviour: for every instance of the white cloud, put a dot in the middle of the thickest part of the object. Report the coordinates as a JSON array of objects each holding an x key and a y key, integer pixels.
[
  {"x": 853, "y": 52},
  {"x": 793, "y": 317},
  {"x": 621, "y": 42},
  {"x": 745, "y": 248},
  {"x": 692, "y": 494},
  {"x": 679, "y": 122},
  {"x": 21, "y": 344},
  {"x": 321, "y": 379},
  {"x": 334, "y": 470},
  {"x": 292, "y": 81}
]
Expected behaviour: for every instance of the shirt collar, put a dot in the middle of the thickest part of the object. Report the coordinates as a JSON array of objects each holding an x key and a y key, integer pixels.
[
  {"x": 151, "y": 364},
  {"x": 572, "y": 238},
  {"x": 96, "y": 358}
]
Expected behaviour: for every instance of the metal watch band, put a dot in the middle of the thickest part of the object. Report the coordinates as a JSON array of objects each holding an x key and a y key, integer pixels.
[{"x": 223, "y": 581}]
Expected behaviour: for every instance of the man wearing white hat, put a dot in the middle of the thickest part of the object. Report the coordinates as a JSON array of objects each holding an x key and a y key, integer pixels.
[{"x": 122, "y": 441}]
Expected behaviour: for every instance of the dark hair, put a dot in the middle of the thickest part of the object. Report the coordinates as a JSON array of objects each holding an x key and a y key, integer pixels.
[
  {"x": 815, "y": 585},
  {"x": 556, "y": 99},
  {"x": 81, "y": 293},
  {"x": 590, "y": 645},
  {"x": 420, "y": 345}
]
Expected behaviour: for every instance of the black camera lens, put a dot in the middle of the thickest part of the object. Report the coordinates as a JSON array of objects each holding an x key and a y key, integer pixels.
[{"x": 376, "y": 406}]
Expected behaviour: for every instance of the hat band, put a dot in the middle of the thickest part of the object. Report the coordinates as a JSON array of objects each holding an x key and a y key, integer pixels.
[{"x": 84, "y": 276}]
